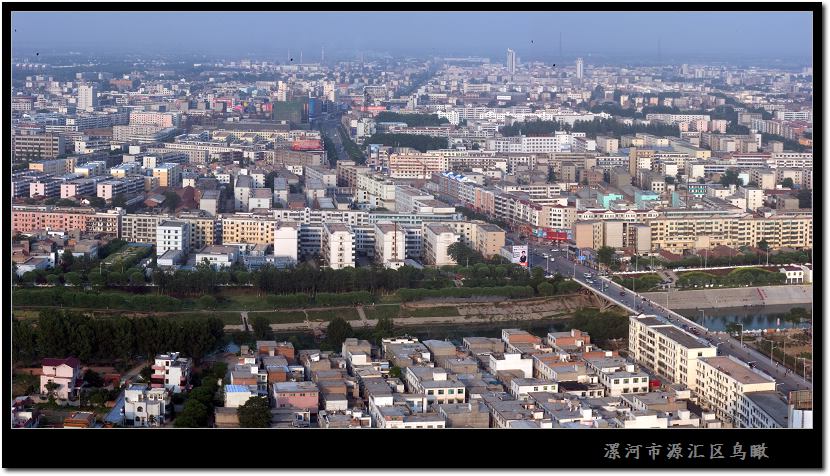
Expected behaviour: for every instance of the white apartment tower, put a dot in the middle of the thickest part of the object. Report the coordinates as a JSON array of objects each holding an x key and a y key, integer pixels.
[
  {"x": 338, "y": 245},
  {"x": 511, "y": 61},
  {"x": 390, "y": 244},
  {"x": 580, "y": 68},
  {"x": 87, "y": 97},
  {"x": 172, "y": 235}
]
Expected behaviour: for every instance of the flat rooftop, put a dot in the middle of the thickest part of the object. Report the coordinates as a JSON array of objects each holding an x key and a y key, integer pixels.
[
  {"x": 772, "y": 404},
  {"x": 738, "y": 371},
  {"x": 681, "y": 337}
]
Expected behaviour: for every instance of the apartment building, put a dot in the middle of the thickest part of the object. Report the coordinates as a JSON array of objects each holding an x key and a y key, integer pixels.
[
  {"x": 666, "y": 349},
  {"x": 414, "y": 165},
  {"x": 721, "y": 382},
  {"x": 168, "y": 174},
  {"x": 286, "y": 240},
  {"x": 46, "y": 145},
  {"x": 108, "y": 189},
  {"x": 437, "y": 239},
  {"x": 172, "y": 235},
  {"x": 338, "y": 245},
  {"x": 248, "y": 228},
  {"x": 781, "y": 230},
  {"x": 390, "y": 244},
  {"x": 26, "y": 219}
]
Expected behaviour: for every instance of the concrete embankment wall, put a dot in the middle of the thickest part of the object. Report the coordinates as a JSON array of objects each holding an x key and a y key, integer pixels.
[{"x": 736, "y": 297}]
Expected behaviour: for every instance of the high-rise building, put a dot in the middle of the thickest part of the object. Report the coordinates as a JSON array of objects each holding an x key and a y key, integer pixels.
[
  {"x": 87, "y": 97},
  {"x": 511, "y": 61},
  {"x": 580, "y": 65}
]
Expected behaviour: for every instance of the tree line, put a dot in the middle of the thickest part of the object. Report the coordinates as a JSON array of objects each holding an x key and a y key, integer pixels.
[
  {"x": 58, "y": 333},
  {"x": 421, "y": 143},
  {"x": 599, "y": 126},
  {"x": 412, "y": 120}
]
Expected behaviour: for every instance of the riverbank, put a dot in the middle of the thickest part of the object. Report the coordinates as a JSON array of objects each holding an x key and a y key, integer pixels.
[{"x": 797, "y": 294}]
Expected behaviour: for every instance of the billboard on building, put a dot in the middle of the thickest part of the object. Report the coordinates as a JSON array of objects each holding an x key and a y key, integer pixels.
[{"x": 520, "y": 255}]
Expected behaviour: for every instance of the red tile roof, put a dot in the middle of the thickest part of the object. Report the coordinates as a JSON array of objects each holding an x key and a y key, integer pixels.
[{"x": 70, "y": 361}]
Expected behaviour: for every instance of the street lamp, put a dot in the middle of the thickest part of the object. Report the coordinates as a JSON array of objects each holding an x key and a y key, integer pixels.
[
  {"x": 771, "y": 349},
  {"x": 742, "y": 333},
  {"x": 804, "y": 370}
]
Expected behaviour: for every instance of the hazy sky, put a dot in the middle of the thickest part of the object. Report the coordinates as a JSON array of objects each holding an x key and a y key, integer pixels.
[{"x": 531, "y": 34}]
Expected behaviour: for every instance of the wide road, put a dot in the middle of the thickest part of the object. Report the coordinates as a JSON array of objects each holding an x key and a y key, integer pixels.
[
  {"x": 329, "y": 128},
  {"x": 565, "y": 264}
]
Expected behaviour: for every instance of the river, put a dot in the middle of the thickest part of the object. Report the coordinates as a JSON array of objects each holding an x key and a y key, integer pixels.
[{"x": 753, "y": 318}]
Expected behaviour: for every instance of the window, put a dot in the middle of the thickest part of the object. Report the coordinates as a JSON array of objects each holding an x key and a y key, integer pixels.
[
  {"x": 430, "y": 392},
  {"x": 440, "y": 392}
]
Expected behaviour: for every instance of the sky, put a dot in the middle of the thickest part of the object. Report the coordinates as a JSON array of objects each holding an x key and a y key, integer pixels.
[{"x": 532, "y": 34}]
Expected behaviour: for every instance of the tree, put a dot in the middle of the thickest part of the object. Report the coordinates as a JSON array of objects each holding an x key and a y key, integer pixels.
[
  {"x": 136, "y": 277},
  {"x": 262, "y": 328},
  {"x": 384, "y": 328},
  {"x": 97, "y": 202},
  {"x": 67, "y": 258},
  {"x": 119, "y": 200},
  {"x": 546, "y": 289},
  {"x": 73, "y": 278},
  {"x": 194, "y": 415},
  {"x": 764, "y": 245},
  {"x": 787, "y": 183},
  {"x": 208, "y": 301},
  {"x": 338, "y": 331},
  {"x": 670, "y": 180},
  {"x": 395, "y": 372},
  {"x": 551, "y": 175},
  {"x": 145, "y": 373},
  {"x": 805, "y": 198},
  {"x": 94, "y": 379},
  {"x": 172, "y": 199},
  {"x": 255, "y": 413},
  {"x": 605, "y": 255},
  {"x": 730, "y": 177},
  {"x": 50, "y": 390}
]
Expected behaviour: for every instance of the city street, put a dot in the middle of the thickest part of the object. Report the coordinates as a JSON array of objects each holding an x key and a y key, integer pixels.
[
  {"x": 565, "y": 264},
  {"x": 329, "y": 128}
]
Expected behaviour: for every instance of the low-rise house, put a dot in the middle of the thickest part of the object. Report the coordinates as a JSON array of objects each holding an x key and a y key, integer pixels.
[
  {"x": 237, "y": 395},
  {"x": 465, "y": 415},
  {"x": 79, "y": 420},
  {"x": 483, "y": 345},
  {"x": 65, "y": 374},
  {"x": 172, "y": 372},
  {"x": 344, "y": 419},
  {"x": 520, "y": 388},
  {"x": 434, "y": 383},
  {"x": 499, "y": 362},
  {"x": 146, "y": 407}
]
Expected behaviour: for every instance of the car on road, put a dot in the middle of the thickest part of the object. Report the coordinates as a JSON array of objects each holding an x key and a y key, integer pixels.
[
  {"x": 622, "y": 293},
  {"x": 587, "y": 275}
]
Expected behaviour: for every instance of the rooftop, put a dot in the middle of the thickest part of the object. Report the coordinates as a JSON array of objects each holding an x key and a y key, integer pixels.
[
  {"x": 681, "y": 337},
  {"x": 237, "y": 389},
  {"x": 737, "y": 370},
  {"x": 772, "y": 404}
]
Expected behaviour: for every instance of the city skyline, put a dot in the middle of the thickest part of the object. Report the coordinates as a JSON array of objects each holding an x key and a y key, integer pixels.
[{"x": 651, "y": 35}]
